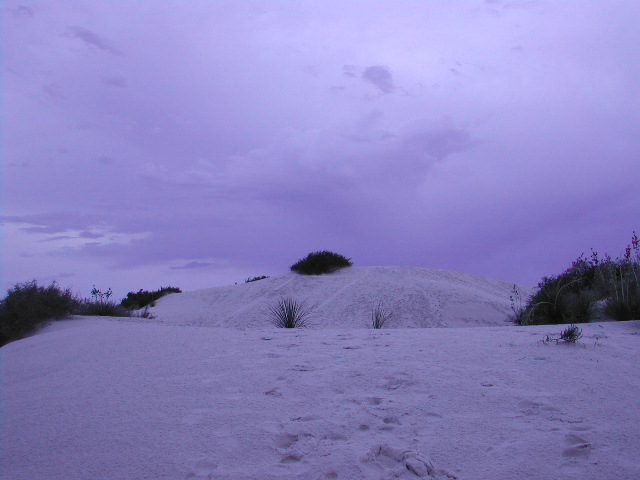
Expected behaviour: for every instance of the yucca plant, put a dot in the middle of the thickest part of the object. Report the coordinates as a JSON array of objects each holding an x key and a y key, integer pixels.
[
  {"x": 380, "y": 316},
  {"x": 288, "y": 313}
]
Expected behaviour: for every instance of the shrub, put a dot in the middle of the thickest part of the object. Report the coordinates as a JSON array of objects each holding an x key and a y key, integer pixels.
[
  {"x": 625, "y": 307},
  {"x": 29, "y": 304},
  {"x": 142, "y": 298},
  {"x": 288, "y": 313},
  {"x": 561, "y": 299},
  {"x": 100, "y": 305},
  {"x": 380, "y": 316},
  {"x": 577, "y": 294},
  {"x": 255, "y": 279},
  {"x": 101, "y": 309},
  {"x": 317, "y": 263}
]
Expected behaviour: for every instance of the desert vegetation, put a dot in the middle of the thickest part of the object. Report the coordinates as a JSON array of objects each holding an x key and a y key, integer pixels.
[
  {"x": 380, "y": 315},
  {"x": 143, "y": 298},
  {"x": 100, "y": 305},
  {"x": 27, "y": 305},
  {"x": 288, "y": 313},
  {"x": 592, "y": 287},
  {"x": 255, "y": 279},
  {"x": 571, "y": 334},
  {"x": 317, "y": 263}
]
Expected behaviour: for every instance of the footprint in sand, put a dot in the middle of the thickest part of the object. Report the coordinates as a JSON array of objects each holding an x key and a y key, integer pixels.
[
  {"x": 388, "y": 462},
  {"x": 285, "y": 440},
  {"x": 291, "y": 459},
  {"x": 580, "y": 448},
  {"x": 202, "y": 470}
]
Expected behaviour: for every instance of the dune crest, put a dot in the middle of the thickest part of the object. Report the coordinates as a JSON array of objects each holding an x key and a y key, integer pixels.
[{"x": 417, "y": 297}]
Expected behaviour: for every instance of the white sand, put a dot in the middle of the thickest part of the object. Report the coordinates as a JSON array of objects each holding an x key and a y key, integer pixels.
[
  {"x": 418, "y": 297},
  {"x": 110, "y": 399}
]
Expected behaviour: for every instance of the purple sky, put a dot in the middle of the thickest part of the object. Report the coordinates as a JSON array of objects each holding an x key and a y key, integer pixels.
[{"x": 198, "y": 143}]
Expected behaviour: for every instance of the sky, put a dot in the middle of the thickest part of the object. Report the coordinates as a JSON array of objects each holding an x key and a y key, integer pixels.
[{"x": 195, "y": 144}]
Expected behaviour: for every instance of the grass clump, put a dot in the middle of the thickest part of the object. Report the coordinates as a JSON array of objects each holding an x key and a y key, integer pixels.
[
  {"x": 143, "y": 298},
  {"x": 590, "y": 287},
  {"x": 380, "y": 316},
  {"x": 28, "y": 304},
  {"x": 317, "y": 263},
  {"x": 571, "y": 334},
  {"x": 624, "y": 308},
  {"x": 288, "y": 313}
]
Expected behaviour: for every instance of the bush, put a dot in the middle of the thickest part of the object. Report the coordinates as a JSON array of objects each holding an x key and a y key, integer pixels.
[
  {"x": 576, "y": 295},
  {"x": 101, "y": 309},
  {"x": 100, "y": 305},
  {"x": 142, "y": 298},
  {"x": 317, "y": 263},
  {"x": 561, "y": 299},
  {"x": 29, "y": 304},
  {"x": 625, "y": 307},
  {"x": 255, "y": 279},
  {"x": 288, "y": 313}
]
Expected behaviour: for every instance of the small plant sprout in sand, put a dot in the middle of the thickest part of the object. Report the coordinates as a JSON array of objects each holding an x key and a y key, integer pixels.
[
  {"x": 571, "y": 334},
  {"x": 380, "y": 315},
  {"x": 518, "y": 307},
  {"x": 288, "y": 313}
]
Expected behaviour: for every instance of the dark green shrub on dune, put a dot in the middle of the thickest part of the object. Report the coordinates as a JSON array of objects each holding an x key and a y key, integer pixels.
[
  {"x": 578, "y": 294},
  {"x": 28, "y": 304},
  {"x": 317, "y": 263},
  {"x": 142, "y": 298}
]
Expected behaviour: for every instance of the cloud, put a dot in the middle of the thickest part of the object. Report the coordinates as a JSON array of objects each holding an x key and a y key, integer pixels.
[
  {"x": 86, "y": 234},
  {"x": 440, "y": 140},
  {"x": 22, "y": 11},
  {"x": 120, "y": 82},
  {"x": 193, "y": 265},
  {"x": 349, "y": 71},
  {"x": 380, "y": 77},
  {"x": 93, "y": 39},
  {"x": 51, "y": 223},
  {"x": 290, "y": 132}
]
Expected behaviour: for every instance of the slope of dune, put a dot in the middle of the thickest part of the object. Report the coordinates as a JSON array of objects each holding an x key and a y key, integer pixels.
[
  {"x": 181, "y": 396},
  {"x": 417, "y": 297}
]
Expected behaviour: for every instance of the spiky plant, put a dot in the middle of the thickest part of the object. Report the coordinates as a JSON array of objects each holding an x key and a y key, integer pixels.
[
  {"x": 288, "y": 313},
  {"x": 380, "y": 316}
]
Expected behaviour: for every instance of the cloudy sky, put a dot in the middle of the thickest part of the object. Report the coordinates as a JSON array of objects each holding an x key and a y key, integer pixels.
[{"x": 197, "y": 143}]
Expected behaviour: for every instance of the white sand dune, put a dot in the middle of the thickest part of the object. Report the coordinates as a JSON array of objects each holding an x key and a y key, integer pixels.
[
  {"x": 417, "y": 297},
  {"x": 93, "y": 398}
]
